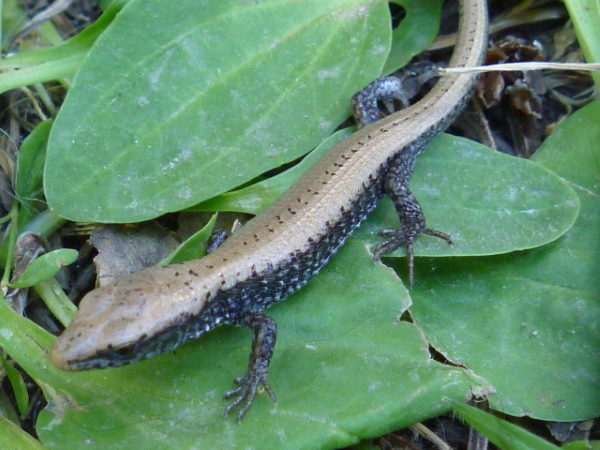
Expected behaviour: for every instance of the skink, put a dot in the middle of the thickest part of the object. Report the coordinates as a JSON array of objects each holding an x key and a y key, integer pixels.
[{"x": 277, "y": 252}]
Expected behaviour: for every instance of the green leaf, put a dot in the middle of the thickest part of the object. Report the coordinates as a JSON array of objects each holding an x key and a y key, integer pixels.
[
  {"x": 30, "y": 165},
  {"x": 7, "y": 409},
  {"x": 30, "y": 162},
  {"x": 56, "y": 300},
  {"x": 45, "y": 267},
  {"x": 203, "y": 98},
  {"x": 488, "y": 202},
  {"x": 414, "y": 33},
  {"x": 18, "y": 386},
  {"x": 501, "y": 433},
  {"x": 344, "y": 369},
  {"x": 12, "y": 436},
  {"x": 528, "y": 322},
  {"x": 585, "y": 15},
  {"x": 105, "y": 4},
  {"x": 193, "y": 247}
]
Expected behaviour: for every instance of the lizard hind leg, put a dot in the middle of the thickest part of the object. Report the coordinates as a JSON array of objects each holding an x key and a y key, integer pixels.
[
  {"x": 390, "y": 91},
  {"x": 409, "y": 211},
  {"x": 366, "y": 110}
]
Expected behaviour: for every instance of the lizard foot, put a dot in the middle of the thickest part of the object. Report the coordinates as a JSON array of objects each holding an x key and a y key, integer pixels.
[
  {"x": 244, "y": 394},
  {"x": 265, "y": 331},
  {"x": 395, "y": 238}
]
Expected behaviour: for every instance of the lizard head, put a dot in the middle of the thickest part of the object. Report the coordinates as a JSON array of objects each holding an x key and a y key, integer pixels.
[{"x": 137, "y": 317}]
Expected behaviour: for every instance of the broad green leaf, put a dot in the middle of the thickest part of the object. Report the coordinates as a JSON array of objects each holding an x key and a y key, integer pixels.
[
  {"x": 45, "y": 267},
  {"x": 488, "y": 202},
  {"x": 344, "y": 369},
  {"x": 500, "y": 432},
  {"x": 529, "y": 322},
  {"x": 13, "y": 437},
  {"x": 175, "y": 105}
]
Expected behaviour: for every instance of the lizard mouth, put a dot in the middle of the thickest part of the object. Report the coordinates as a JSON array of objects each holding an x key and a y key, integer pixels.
[
  {"x": 109, "y": 358},
  {"x": 99, "y": 360},
  {"x": 67, "y": 355}
]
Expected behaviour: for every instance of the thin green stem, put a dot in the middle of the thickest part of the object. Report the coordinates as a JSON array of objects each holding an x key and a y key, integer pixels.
[{"x": 12, "y": 238}]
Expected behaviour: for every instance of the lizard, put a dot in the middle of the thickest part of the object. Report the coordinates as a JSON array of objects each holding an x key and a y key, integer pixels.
[{"x": 277, "y": 252}]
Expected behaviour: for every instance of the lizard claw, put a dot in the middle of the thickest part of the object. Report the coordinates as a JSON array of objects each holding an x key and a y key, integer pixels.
[{"x": 246, "y": 391}]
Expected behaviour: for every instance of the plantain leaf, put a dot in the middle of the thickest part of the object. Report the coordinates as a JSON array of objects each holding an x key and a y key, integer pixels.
[{"x": 176, "y": 104}]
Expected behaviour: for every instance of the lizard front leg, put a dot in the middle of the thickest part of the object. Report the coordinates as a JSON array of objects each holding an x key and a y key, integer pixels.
[{"x": 263, "y": 343}]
